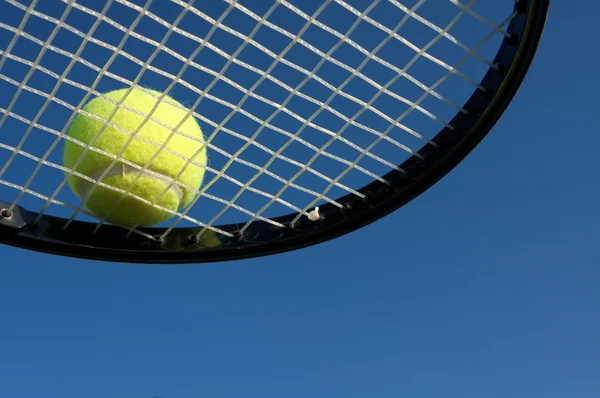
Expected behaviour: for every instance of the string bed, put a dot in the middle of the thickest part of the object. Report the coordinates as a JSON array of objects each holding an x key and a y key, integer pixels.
[{"x": 301, "y": 102}]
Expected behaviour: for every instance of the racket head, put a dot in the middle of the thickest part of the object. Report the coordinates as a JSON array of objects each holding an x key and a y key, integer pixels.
[{"x": 39, "y": 231}]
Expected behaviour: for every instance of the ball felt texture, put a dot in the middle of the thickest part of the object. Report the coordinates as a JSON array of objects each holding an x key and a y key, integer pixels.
[{"x": 130, "y": 211}]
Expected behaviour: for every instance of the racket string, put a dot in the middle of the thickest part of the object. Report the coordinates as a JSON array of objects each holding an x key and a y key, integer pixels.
[{"x": 262, "y": 121}]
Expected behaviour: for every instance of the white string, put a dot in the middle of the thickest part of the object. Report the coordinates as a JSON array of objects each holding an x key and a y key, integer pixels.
[{"x": 307, "y": 132}]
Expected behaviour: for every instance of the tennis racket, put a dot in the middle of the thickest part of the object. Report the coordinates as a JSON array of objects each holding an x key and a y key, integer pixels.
[{"x": 319, "y": 116}]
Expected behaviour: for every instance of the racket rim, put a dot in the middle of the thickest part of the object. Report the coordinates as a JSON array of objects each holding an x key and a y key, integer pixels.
[{"x": 185, "y": 245}]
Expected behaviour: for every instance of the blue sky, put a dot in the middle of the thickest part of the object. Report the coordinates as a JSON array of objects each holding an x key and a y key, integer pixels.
[{"x": 485, "y": 286}]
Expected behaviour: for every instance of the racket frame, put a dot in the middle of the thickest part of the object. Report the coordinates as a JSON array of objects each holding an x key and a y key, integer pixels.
[{"x": 183, "y": 245}]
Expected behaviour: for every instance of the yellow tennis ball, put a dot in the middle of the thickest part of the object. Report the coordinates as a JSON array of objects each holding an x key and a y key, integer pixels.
[{"x": 130, "y": 211}]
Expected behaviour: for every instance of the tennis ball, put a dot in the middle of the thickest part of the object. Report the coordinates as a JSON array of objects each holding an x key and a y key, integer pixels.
[{"x": 131, "y": 211}]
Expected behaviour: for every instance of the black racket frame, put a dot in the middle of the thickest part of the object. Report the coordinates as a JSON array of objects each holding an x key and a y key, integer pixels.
[{"x": 182, "y": 245}]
